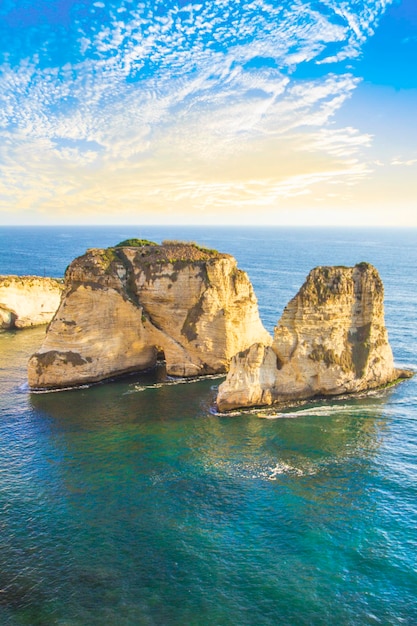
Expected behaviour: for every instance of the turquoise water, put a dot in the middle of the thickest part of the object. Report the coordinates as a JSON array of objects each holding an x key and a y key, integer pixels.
[{"x": 134, "y": 503}]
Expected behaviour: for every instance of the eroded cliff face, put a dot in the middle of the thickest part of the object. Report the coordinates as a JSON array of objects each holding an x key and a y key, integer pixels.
[
  {"x": 125, "y": 305},
  {"x": 28, "y": 300},
  {"x": 331, "y": 339}
]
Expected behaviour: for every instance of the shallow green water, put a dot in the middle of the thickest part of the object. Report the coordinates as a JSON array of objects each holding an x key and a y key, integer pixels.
[{"x": 131, "y": 503}]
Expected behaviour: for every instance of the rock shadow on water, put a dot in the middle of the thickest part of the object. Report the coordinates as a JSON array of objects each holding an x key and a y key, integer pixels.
[{"x": 150, "y": 396}]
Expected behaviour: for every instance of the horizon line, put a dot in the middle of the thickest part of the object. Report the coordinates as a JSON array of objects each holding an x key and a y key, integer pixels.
[{"x": 199, "y": 225}]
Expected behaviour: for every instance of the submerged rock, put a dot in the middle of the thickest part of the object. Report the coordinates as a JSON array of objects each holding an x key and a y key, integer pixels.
[
  {"x": 330, "y": 340},
  {"x": 28, "y": 300},
  {"x": 125, "y": 307}
]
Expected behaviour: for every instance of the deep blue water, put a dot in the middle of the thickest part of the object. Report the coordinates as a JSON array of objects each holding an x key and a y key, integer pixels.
[{"x": 131, "y": 503}]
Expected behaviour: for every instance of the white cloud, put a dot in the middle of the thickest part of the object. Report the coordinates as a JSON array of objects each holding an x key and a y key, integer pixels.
[
  {"x": 406, "y": 162},
  {"x": 342, "y": 142},
  {"x": 160, "y": 91}
]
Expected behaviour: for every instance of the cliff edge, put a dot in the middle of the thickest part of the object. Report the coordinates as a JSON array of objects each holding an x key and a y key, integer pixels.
[
  {"x": 125, "y": 307},
  {"x": 28, "y": 300},
  {"x": 330, "y": 340}
]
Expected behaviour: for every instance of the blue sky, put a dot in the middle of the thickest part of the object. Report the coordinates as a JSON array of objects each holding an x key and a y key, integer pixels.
[{"x": 291, "y": 112}]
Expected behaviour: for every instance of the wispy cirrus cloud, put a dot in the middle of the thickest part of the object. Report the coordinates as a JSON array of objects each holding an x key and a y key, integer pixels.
[{"x": 154, "y": 105}]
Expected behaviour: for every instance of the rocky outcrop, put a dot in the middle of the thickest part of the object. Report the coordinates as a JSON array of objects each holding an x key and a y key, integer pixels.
[
  {"x": 330, "y": 340},
  {"x": 124, "y": 307},
  {"x": 28, "y": 300}
]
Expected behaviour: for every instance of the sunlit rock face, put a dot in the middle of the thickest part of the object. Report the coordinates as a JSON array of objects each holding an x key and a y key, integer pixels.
[
  {"x": 28, "y": 300},
  {"x": 330, "y": 340},
  {"x": 124, "y": 306}
]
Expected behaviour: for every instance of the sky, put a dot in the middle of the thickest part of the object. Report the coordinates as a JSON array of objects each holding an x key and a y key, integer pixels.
[{"x": 290, "y": 112}]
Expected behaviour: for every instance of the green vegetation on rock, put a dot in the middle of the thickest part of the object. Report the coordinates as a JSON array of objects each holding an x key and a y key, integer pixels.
[{"x": 135, "y": 243}]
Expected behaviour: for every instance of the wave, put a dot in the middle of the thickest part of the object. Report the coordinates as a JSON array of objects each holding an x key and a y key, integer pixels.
[
  {"x": 170, "y": 382},
  {"x": 322, "y": 411},
  {"x": 44, "y": 391},
  {"x": 316, "y": 407},
  {"x": 286, "y": 468}
]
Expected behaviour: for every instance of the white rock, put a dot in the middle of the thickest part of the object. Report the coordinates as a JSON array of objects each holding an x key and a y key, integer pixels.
[
  {"x": 28, "y": 300},
  {"x": 330, "y": 340},
  {"x": 123, "y": 306}
]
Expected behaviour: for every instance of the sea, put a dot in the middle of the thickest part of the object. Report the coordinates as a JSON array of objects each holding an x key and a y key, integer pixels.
[{"x": 135, "y": 503}]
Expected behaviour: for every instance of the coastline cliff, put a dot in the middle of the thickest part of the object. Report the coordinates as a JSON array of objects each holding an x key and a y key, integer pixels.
[
  {"x": 27, "y": 301},
  {"x": 124, "y": 307},
  {"x": 330, "y": 340}
]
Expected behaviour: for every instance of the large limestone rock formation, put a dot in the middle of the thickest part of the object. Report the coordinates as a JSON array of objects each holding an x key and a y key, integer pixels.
[
  {"x": 28, "y": 300},
  {"x": 331, "y": 339},
  {"x": 124, "y": 306}
]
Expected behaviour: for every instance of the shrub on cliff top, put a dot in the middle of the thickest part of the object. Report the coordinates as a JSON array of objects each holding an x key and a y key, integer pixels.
[
  {"x": 135, "y": 243},
  {"x": 168, "y": 252}
]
